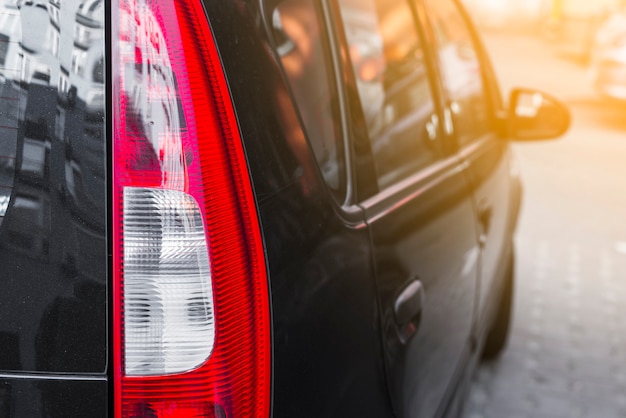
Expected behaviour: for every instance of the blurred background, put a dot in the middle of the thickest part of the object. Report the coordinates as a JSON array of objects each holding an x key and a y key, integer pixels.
[
  {"x": 567, "y": 352},
  {"x": 569, "y": 24}
]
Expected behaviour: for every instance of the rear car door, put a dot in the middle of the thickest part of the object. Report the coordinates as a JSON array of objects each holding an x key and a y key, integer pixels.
[
  {"x": 420, "y": 212},
  {"x": 470, "y": 100}
]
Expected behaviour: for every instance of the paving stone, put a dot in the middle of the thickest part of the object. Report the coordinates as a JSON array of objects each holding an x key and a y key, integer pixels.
[{"x": 566, "y": 356}]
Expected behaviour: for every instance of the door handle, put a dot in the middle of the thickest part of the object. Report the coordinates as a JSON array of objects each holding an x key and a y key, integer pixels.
[{"x": 409, "y": 303}]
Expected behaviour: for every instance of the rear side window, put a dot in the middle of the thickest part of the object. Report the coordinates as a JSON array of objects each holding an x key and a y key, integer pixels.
[
  {"x": 302, "y": 46},
  {"x": 53, "y": 251},
  {"x": 395, "y": 94}
]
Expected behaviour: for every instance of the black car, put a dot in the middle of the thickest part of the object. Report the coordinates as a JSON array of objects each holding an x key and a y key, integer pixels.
[{"x": 253, "y": 208}]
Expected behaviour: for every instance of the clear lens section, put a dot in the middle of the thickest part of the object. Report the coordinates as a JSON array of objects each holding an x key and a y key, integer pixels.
[{"x": 168, "y": 301}]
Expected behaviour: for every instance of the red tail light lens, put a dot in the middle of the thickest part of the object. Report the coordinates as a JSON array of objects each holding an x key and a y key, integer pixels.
[{"x": 191, "y": 310}]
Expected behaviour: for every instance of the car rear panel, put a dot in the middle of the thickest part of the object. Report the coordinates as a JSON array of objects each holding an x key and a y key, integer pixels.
[
  {"x": 53, "y": 251},
  {"x": 36, "y": 396}
]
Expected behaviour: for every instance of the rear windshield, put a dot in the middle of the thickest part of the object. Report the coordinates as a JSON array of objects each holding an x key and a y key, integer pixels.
[{"x": 52, "y": 186}]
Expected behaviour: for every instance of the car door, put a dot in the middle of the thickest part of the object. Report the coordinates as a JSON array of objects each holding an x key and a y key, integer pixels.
[
  {"x": 471, "y": 99},
  {"x": 420, "y": 215}
]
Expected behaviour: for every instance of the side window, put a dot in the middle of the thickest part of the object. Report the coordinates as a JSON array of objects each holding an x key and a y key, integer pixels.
[
  {"x": 305, "y": 58},
  {"x": 460, "y": 70},
  {"x": 395, "y": 94}
]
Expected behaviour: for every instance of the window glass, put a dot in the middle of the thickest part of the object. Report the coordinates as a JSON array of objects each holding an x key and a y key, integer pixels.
[
  {"x": 392, "y": 81},
  {"x": 461, "y": 71},
  {"x": 305, "y": 58}
]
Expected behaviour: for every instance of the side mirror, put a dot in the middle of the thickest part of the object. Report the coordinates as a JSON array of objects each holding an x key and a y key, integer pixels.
[{"x": 535, "y": 115}]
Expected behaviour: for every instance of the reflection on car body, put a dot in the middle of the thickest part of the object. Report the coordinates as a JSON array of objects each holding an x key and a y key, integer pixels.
[{"x": 286, "y": 208}]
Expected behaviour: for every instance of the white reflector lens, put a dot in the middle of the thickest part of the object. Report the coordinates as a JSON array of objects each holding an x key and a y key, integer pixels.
[{"x": 168, "y": 301}]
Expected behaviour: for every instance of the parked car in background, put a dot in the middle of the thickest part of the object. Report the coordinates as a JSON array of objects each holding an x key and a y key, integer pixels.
[
  {"x": 253, "y": 208},
  {"x": 608, "y": 59}
]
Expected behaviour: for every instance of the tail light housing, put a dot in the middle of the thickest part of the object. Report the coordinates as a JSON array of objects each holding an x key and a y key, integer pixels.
[{"x": 190, "y": 306}]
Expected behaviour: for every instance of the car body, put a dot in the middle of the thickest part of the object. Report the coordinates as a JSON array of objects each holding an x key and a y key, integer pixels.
[
  {"x": 608, "y": 62},
  {"x": 253, "y": 208}
]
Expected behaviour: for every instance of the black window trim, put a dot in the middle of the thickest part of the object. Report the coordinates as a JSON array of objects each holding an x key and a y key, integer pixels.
[
  {"x": 404, "y": 191},
  {"x": 344, "y": 136},
  {"x": 346, "y": 189},
  {"x": 490, "y": 86}
]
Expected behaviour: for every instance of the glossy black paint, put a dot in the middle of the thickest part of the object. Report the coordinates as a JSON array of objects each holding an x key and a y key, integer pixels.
[
  {"x": 53, "y": 288},
  {"x": 496, "y": 196},
  {"x": 52, "y": 237},
  {"x": 52, "y": 397},
  {"x": 327, "y": 359},
  {"x": 426, "y": 231},
  {"x": 427, "y": 228}
]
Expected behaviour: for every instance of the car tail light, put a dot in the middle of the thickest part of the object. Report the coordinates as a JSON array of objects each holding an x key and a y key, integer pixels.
[{"x": 190, "y": 307}]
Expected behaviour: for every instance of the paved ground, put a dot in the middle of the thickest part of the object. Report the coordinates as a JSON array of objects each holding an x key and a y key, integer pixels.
[{"x": 567, "y": 353}]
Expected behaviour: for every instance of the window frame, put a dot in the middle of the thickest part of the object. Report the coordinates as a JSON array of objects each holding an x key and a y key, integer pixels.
[
  {"x": 343, "y": 196},
  {"x": 368, "y": 193},
  {"x": 493, "y": 98}
]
